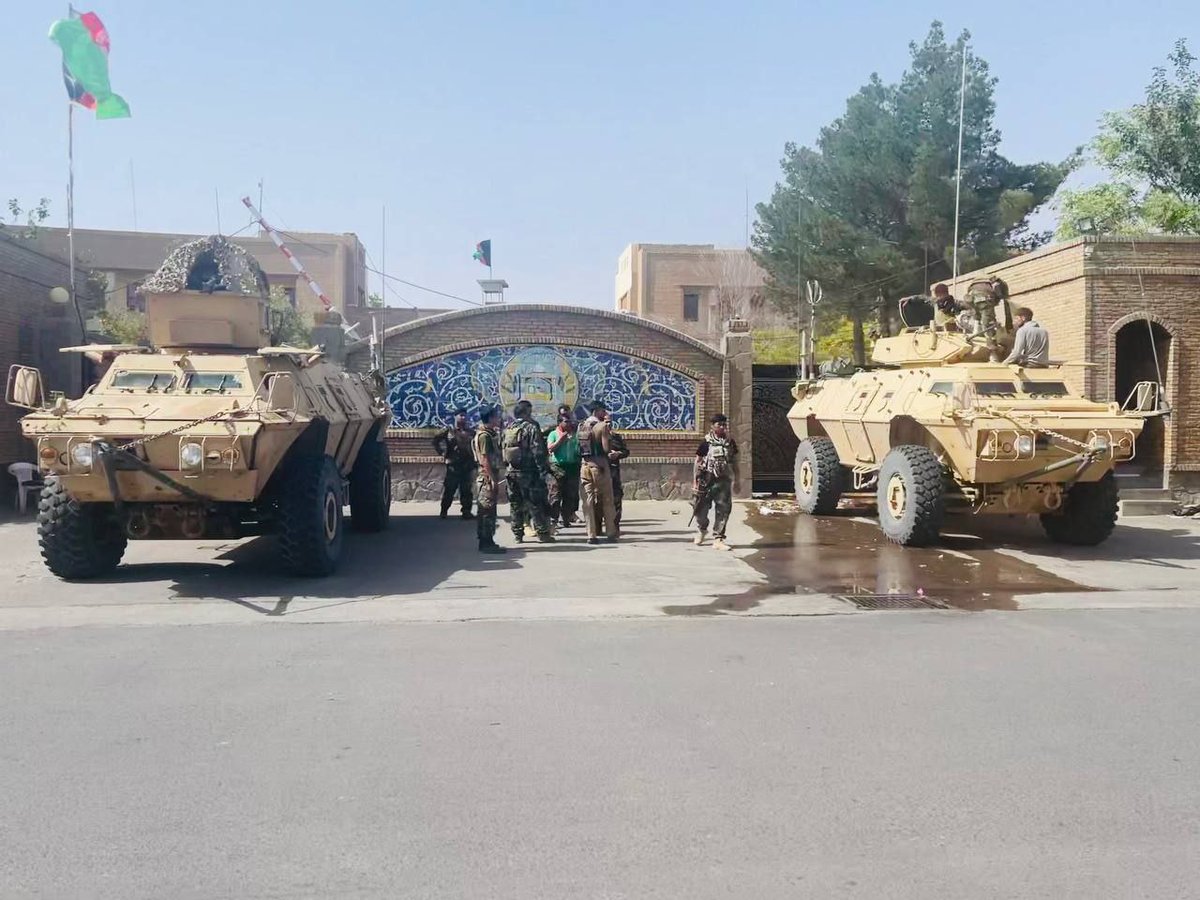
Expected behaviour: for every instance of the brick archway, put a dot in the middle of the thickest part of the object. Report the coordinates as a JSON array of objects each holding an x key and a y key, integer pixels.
[
  {"x": 1167, "y": 371},
  {"x": 667, "y": 384}
]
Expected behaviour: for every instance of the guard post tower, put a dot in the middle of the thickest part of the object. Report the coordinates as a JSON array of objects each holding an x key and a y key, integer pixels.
[{"x": 493, "y": 290}]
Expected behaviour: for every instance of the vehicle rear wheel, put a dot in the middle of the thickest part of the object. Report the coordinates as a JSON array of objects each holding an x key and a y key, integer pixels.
[
  {"x": 911, "y": 496},
  {"x": 78, "y": 540},
  {"x": 819, "y": 476},
  {"x": 1088, "y": 515},
  {"x": 310, "y": 521},
  {"x": 371, "y": 488}
]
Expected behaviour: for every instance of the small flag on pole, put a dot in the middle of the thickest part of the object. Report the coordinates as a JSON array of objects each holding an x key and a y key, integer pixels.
[
  {"x": 483, "y": 253},
  {"x": 83, "y": 40}
]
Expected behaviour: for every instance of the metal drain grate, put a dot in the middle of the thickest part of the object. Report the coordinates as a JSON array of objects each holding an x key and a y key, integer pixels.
[{"x": 893, "y": 601}]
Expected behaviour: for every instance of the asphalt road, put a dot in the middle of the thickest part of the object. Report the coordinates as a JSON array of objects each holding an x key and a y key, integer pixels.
[
  {"x": 642, "y": 720},
  {"x": 908, "y": 755}
]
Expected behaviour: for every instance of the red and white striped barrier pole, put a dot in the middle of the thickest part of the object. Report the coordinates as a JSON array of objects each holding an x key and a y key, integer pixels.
[{"x": 316, "y": 288}]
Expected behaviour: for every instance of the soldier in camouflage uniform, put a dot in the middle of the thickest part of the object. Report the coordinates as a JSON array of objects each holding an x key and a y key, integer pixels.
[
  {"x": 454, "y": 446},
  {"x": 619, "y": 452},
  {"x": 715, "y": 469},
  {"x": 524, "y": 450},
  {"x": 486, "y": 450}
]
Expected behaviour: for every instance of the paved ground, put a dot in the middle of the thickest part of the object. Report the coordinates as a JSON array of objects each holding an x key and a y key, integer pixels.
[
  {"x": 645, "y": 720},
  {"x": 424, "y": 569}
]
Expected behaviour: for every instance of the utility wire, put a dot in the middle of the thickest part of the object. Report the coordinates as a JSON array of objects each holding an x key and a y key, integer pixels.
[
  {"x": 422, "y": 287},
  {"x": 383, "y": 282}
]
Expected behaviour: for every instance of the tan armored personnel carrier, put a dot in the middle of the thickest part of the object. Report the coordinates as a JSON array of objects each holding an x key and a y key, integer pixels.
[
  {"x": 937, "y": 428},
  {"x": 213, "y": 432}
]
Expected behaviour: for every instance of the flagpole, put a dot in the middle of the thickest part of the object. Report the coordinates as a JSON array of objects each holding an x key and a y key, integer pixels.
[
  {"x": 71, "y": 213},
  {"x": 962, "y": 103}
]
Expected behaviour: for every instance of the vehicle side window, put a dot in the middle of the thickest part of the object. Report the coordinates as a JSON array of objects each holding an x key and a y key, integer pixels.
[
  {"x": 945, "y": 388},
  {"x": 1045, "y": 389},
  {"x": 124, "y": 379},
  {"x": 213, "y": 382}
]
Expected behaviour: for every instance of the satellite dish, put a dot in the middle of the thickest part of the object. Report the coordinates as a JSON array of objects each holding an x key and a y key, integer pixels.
[{"x": 60, "y": 295}]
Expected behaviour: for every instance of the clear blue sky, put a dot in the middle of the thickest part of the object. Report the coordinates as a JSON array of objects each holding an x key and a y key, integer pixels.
[{"x": 560, "y": 130}]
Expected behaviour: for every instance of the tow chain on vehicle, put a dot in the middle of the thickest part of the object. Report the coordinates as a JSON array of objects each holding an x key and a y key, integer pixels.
[
  {"x": 1029, "y": 426},
  {"x": 131, "y": 445}
]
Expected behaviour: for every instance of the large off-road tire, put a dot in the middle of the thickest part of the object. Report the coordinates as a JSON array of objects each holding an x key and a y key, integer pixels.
[
  {"x": 820, "y": 478},
  {"x": 911, "y": 496},
  {"x": 371, "y": 488},
  {"x": 78, "y": 540},
  {"x": 1088, "y": 515},
  {"x": 310, "y": 520}
]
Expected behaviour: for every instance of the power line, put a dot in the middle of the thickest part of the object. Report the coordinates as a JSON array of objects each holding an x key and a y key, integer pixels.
[
  {"x": 384, "y": 283},
  {"x": 422, "y": 287}
]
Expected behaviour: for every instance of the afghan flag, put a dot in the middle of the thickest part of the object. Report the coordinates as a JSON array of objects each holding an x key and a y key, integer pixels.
[
  {"x": 84, "y": 44},
  {"x": 483, "y": 253}
]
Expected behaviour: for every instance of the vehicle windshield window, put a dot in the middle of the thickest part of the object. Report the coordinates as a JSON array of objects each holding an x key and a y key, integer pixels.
[
  {"x": 1045, "y": 389},
  {"x": 143, "y": 381},
  {"x": 995, "y": 388},
  {"x": 945, "y": 388},
  {"x": 212, "y": 382}
]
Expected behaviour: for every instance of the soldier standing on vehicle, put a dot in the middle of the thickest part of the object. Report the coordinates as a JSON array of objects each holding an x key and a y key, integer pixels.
[
  {"x": 712, "y": 484},
  {"x": 564, "y": 466},
  {"x": 486, "y": 450},
  {"x": 524, "y": 450},
  {"x": 453, "y": 444},
  {"x": 619, "y": 452},
  {"x": 595, "y": 477}
]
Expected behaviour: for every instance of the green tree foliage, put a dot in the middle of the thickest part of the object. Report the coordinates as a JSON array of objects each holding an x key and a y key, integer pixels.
[
  {"x": 288, "y": 325},
  {"x": 780, "y": 346},
  {"x": 123, "y": 326},
  {"x": 1152, "y": 153},
  {"x": 375, "y": 301},
  {"x": 870, "y": 208},
  {"x": 23, "y": 223}
]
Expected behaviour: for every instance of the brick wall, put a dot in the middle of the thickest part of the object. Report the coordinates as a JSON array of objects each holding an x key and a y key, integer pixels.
[
  {"x": 32, "y": 329},
  {"x": 562, "y": 326}
]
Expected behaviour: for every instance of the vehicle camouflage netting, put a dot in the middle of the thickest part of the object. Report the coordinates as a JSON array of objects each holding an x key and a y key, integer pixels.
[{"x": 208, "y": 264}]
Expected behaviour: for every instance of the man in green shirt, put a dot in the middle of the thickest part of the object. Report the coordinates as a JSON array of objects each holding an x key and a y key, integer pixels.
[{"x": 565, "y": 460}]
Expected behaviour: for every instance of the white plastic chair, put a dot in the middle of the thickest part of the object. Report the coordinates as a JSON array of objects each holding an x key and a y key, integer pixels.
[{"x": 28, "y": 482}]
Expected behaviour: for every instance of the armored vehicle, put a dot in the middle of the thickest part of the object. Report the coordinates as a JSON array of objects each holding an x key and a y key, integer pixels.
[
  {"x": 212, "y": 432},
  {"x": 935, "y": 427}
]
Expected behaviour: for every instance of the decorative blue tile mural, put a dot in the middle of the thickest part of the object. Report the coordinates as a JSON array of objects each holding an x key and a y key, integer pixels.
[{"x": 640, "y": 395}]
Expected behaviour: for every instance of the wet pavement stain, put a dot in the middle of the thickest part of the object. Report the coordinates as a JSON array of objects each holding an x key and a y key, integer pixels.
[{"x": 844, "y": 556}]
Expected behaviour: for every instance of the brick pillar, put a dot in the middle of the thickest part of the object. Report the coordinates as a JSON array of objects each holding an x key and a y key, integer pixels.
[{"x": 738, "y": 388}]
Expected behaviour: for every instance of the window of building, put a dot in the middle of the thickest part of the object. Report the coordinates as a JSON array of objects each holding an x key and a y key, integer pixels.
[
  {"x": 362, "y": 298},
  {"x": 691, "y": 307}
]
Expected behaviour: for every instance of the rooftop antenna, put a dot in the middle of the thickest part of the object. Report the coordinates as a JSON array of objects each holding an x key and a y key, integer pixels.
[
  {"x": 217, "y": 196},
  {"x": 133, "y": 194},
  {"x": 962, "y": 104}
]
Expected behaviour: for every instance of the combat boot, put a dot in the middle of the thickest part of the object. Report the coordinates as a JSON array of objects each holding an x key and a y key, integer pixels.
[
  {"x": 719, "y": 544},
  {"x": 698, "y": 539},
  {"x": 546, "y": 538},
  {"x": 491, "y": 547},
  {"x": 467, "y": 514}
]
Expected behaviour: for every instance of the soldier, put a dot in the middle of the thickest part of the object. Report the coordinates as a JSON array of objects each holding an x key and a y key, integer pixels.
[
  {"x": 712, "y": 484},
  {"x": 454, "y": 446},
  {"x": 595, "y": 477},
  {"x": 619, "y": 452},
  {"x": 524, "y": 450},
  {"x": 564, "y": 466},
  {"x": 486, "y": 449}
]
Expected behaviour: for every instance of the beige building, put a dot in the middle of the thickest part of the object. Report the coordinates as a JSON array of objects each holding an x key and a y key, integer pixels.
[
  {"x": 693, "y": 288},
  {"x": 338, "y": 262}
]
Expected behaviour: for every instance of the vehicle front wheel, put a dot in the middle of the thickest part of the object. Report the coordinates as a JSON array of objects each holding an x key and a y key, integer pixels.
[
  {"x": 371, "y": 488},
  {"x": 310, "y": 521},
  {"x": 1088, "y": 515},
  {"x": 819, "y": 476},
  {"x": 78, "y": 540},
  {"x": 911, "y": 496}
]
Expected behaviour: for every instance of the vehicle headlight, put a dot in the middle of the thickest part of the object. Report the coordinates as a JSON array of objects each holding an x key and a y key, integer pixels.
[
  {"x": 191, "y": 456},
  {"x": 1099, "y": 442},
  {"x": 1025, "y": 444},
  {"x": 82, "y": 455}
]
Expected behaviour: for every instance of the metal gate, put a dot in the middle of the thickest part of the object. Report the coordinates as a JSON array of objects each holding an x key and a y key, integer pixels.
[{"x": 774, "y": 441}]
